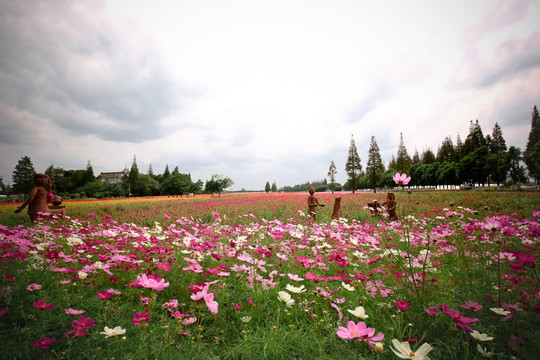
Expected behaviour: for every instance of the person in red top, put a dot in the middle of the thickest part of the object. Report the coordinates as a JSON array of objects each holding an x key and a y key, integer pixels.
[{"x": 39, "y": 197}]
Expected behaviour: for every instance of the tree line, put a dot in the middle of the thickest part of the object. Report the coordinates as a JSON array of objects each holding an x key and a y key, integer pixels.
[
  {"x": 479, "y": 160},
  {"x": 75, "y": 184}
]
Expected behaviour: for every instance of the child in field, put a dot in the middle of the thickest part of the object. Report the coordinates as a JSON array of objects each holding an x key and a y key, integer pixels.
[
  {"x": 38, "y": 198},
  {"x": 390, "y": 204},
  {"x": 313, "y": 202}
]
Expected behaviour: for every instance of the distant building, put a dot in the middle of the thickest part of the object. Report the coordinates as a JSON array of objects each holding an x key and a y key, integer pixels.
[{"x": 111, "y": 177}]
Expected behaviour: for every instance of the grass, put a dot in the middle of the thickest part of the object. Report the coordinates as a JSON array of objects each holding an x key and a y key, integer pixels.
[{"x": 448, "y": 249}]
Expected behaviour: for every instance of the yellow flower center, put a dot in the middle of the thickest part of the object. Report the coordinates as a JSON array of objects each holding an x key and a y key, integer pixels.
[{"x": 411, "y": 354}]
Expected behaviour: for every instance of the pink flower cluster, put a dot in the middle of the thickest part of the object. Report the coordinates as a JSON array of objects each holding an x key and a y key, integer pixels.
[{"x": 208, "y": 298}]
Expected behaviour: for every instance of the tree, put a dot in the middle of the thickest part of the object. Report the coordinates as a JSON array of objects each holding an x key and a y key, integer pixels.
[
  {"x": 23, "y": 176},
  {"x": 176, "y": 184},
  {"x": 151, "y": 172},
  {"x": 267, "y": 187},
  {"x": 166, "y": 173},
  {"x": 332, "y": 175},
  {"x": 375, "y": 166},
  {"x": 274, "y": 186},
  {"x": 428, "y": 157},
  {"x": 353, "y": 166},
  {"x": 89, "y": 173},
  {"x": 472, "y": 168},
  {"x": 497, "y": 144},
  {"x": 133, "y": 178},
  {"x": 403, "y": 160},
  {"x": 475, "y": 139},
  {"x": 534, "y": 138},
  {"x": 515, "y": 170},
  {"x": 416, "y": 157},
  {"x": 447, "y": 152},
  {"x": 57, "y": 177},
  {"x": 496, "y": 168},
  {"x": 217, "y": 184}
]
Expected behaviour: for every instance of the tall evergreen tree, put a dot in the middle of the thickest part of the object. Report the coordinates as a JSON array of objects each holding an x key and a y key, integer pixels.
[
  {"x": 166, "y": 173},
  {"x": 353, "y": 166},
  {"x": 375, "y": 166},
  {"x": 274, "y": 186},
  {"x": 267, "y": 187},
  {"x": 459, "y": 148},
  {"x": 403, "y": 160},
  {"x": 475, "y": 139},
  {"x": 447, "y": 152},
  {"x": 332, "y": 171},
  {"x": 530, "y": 156},
  {"x": 497, "y": 144},
  {"x": 23, "y": 176},
  {"x": 416, "y": 157},
  {"x": 88, "y": 175},
  {"x": 151, "y": 171},
  {"x": 428, "y": 157},
  {"x": 133, "y": 177}
]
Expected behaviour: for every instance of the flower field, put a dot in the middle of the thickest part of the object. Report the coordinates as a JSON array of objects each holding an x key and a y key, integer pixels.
[{"x": 253, "y": 277}]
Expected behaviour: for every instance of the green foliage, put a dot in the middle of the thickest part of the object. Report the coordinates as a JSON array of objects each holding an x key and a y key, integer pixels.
[
  {"x": 23, "y": 176},
  {"x": 353, "y": 166}
]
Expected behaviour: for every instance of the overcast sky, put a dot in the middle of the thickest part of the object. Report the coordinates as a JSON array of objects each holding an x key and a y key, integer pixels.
[{"x": 258, "y": 90}]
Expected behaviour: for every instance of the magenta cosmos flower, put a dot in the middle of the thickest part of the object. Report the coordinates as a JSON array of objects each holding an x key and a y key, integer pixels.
[
  {"x": 401, "y": 179},
  {"x": 42, "y": 305},
  {"x": 44, "y": 343}
]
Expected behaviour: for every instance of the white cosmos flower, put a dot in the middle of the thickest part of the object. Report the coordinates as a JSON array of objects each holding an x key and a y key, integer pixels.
[
  {"x": 347, "y": 286},
  {"x": 295, "y": 289},
  {"x": 500, "y": 311},
  {"x": 480, "y": 337},
  {"x": 483, "y": 351},
  {"x": 403, "y": 350},
  {"x": 359, "y": 312},
  {"x": 245, "y": 319},
  {"x": 108, "y": 332},
  {"x": 286, "y": 298},
  {"x": 82, "y": 275}
]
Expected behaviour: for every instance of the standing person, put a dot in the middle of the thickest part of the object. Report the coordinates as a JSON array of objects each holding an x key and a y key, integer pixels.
[
  {"x": 38, "y": 198},
  {"x": 313, "y": 202}
]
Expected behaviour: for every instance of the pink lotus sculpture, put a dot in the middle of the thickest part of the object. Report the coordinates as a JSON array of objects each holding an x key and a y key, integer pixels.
[{"x": 401, "y": 179}]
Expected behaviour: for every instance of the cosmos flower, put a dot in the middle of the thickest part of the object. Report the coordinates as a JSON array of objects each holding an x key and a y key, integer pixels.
[
  {"x": 359, "y": 312},
  {"x": 401, "y": 179},
  {"x": 286, "y": 298},
  {"x": 403, "y": 350},
  {"x": 108, "y": 332},
  {"x": 480, "y": 337},
  {"x": 44, "y": 343}
]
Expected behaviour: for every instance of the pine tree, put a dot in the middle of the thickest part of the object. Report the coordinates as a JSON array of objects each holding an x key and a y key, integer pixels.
[
  {"x": 428, "y": 157},
  {"x": 403, "y": 161},
  {"x": 88, "y": 176},
  {"x": 353, "y": 166},
  {"x": 267, "y": 187},
  {"x": 530, "y": 157},
  {"x": 447, "y": 152},
  {"x": 375, "y": 166},
  {"x": 459, "y": 148},
  {"x": 133, "y": 178},
  {"x": 497, "y": 144},
  {"x": 166, "y": 172},
  {"x": 332, "y": 171},
  {"x": 23, "y": 176},
  {"x": 416, "y": 157},
  {"x": 274, "y": 186},
  {"x": 151, "y": 171},
  {"x": 474, "y": 140}
]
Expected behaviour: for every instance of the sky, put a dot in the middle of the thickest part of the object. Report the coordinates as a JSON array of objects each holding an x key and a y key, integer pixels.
[{"x": 258, "y": 91}]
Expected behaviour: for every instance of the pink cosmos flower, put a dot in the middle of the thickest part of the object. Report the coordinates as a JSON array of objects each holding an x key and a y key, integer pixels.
[
  {"x": 151, "y": 282},
  {"x": 141, "y": 318},
  {"x": 211, "y": 304},
  {"x": 401, "y": 179},
  {"x": 402, "y": 305},
  {"x": 34, "y": 287},
  {"x": 44, "y": 343},
  {"x": 42, "y": 305},
  {"x": 83, "y": 323},
  {"x": 472, "y": 305},
  {"x": 164, "y": 266},
  {"x": 189, "y": 321},
  {"x": 3, "y": 312},
  {"x": 71, "y": 311},
  {"x": 104, "y": 295},
  {"x": 432, "y": 311},
  {"x": 361, "y": 332}
]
